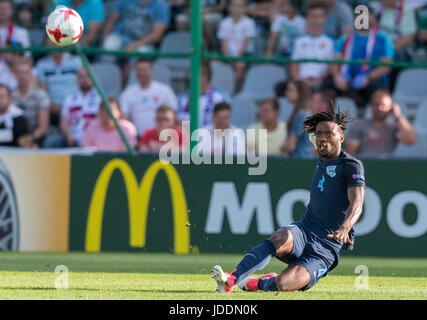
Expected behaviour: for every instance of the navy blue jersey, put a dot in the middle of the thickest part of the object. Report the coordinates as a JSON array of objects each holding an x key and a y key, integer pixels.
[{"x": 328, "y": 196}]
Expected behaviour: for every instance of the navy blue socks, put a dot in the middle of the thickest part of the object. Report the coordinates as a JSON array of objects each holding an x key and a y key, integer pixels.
[
  {"x": 268, "y": 284},
  {"x": 256, "y": 259}
]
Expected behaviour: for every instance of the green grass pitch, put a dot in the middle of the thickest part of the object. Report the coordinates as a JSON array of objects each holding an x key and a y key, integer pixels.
[{"x": 168, "y": 277}]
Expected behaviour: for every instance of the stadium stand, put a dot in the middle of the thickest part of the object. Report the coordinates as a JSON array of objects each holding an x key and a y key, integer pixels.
[
  {"x": 110, "y": 77},
  {"x": 409, "y": 89},
  {"x": 420, "y": 121},
  {"x": 243, "y": 111},
  {"x": 285, "y": 109},
  {"x": 417, "y": 150},
  {"x": 347, "y": 104},
  {"x": 223, "y": 77},
  {"x": 259, "y": 86},
  {"x": 177, "y": 42}
]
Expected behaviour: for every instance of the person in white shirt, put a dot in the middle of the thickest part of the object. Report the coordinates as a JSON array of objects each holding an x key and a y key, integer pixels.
[
  {"x": 140, "y": 101},
  {"x": 9, "y": 31},
  {"x": 57, "y": 73},
  {"x": 236, "y": 34},
  {"x": 79, "y": 109},
  {"x": 209, "y": 97},
  {"x": 285, "y": 28},
  {"x": 313, "y": 45},
  {"x": 225, "y": 139}
]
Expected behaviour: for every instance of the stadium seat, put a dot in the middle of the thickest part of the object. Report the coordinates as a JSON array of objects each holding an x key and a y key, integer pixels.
[
  {"x": 417, "y": 150},
  {"x": 411, "y": 88},
  {"x": 37, "y": 36},
  {"x": 285, "y": 109},
  {"x": 161, "y": 73},
  {"x": 223, "y": 77},
  {"x": 420, "y": 121},
  {"x": 261, "y": 79},
  {"x": 110, "y": 77},
  {"x": 347, "y": 104},
  {"x": 177, "y": 42},
  {"x": 260, "y": 45},
  {"x": 243, "y": 112}
]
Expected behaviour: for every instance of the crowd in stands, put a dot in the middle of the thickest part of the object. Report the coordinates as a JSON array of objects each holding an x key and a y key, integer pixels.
[{"x": 49, "y": 101}]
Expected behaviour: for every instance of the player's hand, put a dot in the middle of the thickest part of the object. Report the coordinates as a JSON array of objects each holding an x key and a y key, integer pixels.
[{"x": 342, "y": 235}]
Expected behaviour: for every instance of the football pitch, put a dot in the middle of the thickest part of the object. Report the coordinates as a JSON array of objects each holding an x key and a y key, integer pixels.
[{"x": 168, "y": 277}]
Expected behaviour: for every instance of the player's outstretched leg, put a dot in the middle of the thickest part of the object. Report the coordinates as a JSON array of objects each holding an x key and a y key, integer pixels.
[
  {"x": 257, "y": 258},
  {"x": 251, "y": 284}
]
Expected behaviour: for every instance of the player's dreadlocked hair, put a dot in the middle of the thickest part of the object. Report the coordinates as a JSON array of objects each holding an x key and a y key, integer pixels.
[{"x": 340, "y": 118}]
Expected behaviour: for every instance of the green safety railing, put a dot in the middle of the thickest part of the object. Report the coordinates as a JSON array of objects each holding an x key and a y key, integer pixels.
[{"x": 92, "y": 51}]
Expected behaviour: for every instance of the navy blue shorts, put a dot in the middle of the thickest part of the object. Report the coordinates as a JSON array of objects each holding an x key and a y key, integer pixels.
[{"x": 311, "y": 252}]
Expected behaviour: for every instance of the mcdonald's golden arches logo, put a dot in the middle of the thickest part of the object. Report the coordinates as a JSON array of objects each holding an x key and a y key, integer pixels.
[{"x": 138, "y": 196}]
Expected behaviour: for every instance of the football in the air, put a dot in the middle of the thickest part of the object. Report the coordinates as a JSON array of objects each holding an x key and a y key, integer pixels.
[{"x": 64, "y": 26}]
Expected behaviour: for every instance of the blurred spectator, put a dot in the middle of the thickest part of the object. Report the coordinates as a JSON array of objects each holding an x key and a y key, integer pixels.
[
  {"x": 314, "y": 45},
  {"x": 10, "y": 33},
  {"x": 398, "y": 21},
  {"x": 298, "y": 94},
  {"x": 103, "y": 135},
  {"x": 263, "y": 8},
  {"x": 421, "y": 36},
  {"x": 180, "y": 11},
  {"x": 340, "y": 20},
  {"x": 378, "y": 136},
  {"x": 284, "y": 29},
  {"x": 140, "y": 101},
  {"x": 213, "y": 12},
  {"x": 7, "y": 77},
  {"x": 360, "y": 81},
  {"x": 136, "y": 25},
  {"x": 226, "y": 139},
  {"x": 93, "y": 16},
  {"x": 57, "y": 73},
  {"x": 33, "y": 101},
  {"x": 297, "y": 144},
  {"x": 212, "y": 15},
  {"x": 79, "y": 109},
  {"x": 236, "y": 33},
  {"x": 269, "y": 110},
  {"x": 24, "y": 15},
  {"x": 14, "y": 130},
  {"x": 165, "y": 119},
  {"x": 209, "y": 97}
]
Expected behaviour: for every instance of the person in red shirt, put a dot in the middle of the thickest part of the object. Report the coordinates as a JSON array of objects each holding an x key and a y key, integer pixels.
[{"x": 165, "y": 119}]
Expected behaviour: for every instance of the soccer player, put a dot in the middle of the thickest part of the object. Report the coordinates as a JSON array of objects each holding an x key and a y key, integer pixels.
[{"x": 311, "y": 246}]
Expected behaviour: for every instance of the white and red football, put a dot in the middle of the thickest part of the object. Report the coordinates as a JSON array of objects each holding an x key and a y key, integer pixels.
[{"x": 64, "y": 26}]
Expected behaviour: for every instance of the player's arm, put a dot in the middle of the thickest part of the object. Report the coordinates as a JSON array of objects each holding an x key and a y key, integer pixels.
[{"x": 356, "y": 196}]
